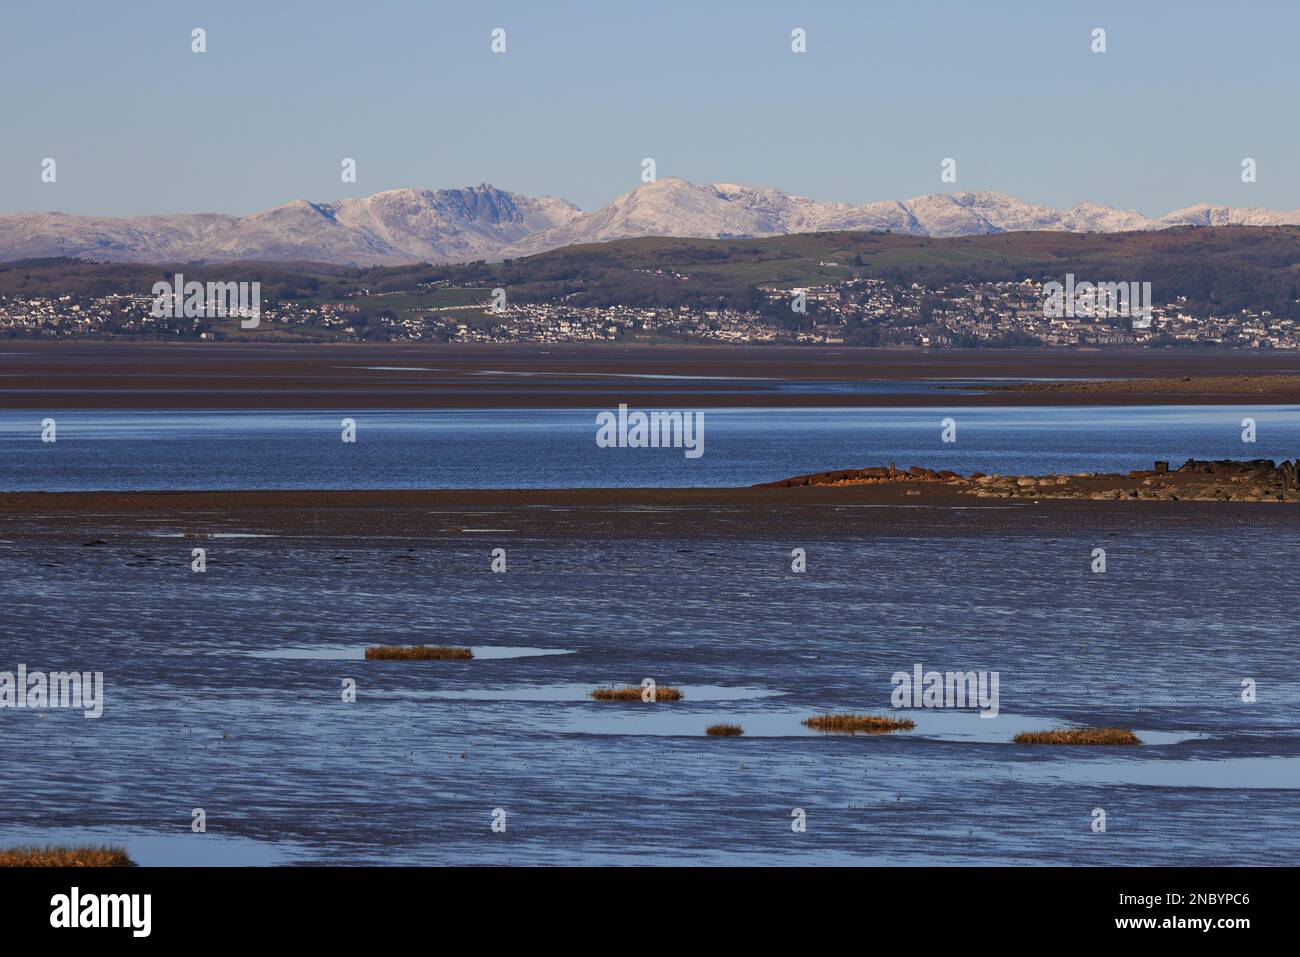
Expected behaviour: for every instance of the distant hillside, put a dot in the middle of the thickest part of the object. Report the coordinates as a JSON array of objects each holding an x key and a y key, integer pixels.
[{"x": 1218, "y": 269}]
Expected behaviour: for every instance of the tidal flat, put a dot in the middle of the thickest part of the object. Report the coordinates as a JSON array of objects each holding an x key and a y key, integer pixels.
[{"x": 695, "y": 589}]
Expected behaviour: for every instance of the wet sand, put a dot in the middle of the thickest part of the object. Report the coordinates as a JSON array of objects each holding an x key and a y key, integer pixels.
[
  {"x": 1240, "y": 388},
  {"x": 125, "y": 375},
  {"x": 834, "y": 512}
]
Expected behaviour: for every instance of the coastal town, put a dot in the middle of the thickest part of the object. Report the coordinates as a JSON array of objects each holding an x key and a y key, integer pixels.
[{"x": 856, "y": 311}]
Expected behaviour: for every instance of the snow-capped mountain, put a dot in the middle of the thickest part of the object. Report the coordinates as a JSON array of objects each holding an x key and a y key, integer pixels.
[
  {"x": 483, "y": 222},
  {"x": 1206, "y": 215},
  {"x": 396, "y": 226}
]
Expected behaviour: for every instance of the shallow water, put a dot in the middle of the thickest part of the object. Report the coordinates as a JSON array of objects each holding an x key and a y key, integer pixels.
[
  {"x": 358, "y": 653},
  {"x": 181, "y": 847},
  {"x": 199, "y": 714},
  {"x": 557, "y": 448}
]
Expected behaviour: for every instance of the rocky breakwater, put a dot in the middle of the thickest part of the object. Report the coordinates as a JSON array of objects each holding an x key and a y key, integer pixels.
[{"x": 1225, "y": 480}]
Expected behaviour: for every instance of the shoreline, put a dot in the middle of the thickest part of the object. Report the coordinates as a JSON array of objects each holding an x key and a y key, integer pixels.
[
  {"x": 486, "y": 517},
  {"x": 1237, "y": 388},
  {"x": 1224, "y": 480}
]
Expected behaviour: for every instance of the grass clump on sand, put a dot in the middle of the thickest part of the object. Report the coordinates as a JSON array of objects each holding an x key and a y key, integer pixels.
[
  {"x": 1078, "y": 736},
  {"x": 633, "y": 693},
  {"x": 725, "y": 730},
  {"x": 857, "y": 724},
  {"x": 31, "y": 856},
  {"x": 418, "y": 653}
]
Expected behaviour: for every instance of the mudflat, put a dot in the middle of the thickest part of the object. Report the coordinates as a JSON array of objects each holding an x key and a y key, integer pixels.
[
  {"x": 97, "y": 519},
  {"x": 1244, "y": 388},
  {"x": 178, "y": 376}
]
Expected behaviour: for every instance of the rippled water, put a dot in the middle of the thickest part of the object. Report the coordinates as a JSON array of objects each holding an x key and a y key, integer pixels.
[
  {"x": 557, "y": 448},
  {"x": 223, "y": 691}
]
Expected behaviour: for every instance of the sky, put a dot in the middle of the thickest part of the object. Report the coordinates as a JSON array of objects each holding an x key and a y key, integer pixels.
[{"x": 138, "y": 123}]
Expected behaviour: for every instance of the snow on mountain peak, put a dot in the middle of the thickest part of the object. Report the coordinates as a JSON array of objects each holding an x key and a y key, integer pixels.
[{"x": 483, "y": 222}]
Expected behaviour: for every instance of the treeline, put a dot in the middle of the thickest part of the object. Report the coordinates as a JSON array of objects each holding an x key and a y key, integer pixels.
[{"x": 79, "y": 278}]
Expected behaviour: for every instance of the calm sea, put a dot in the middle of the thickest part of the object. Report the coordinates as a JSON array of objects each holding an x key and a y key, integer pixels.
[{"x": 557, "y": 448}]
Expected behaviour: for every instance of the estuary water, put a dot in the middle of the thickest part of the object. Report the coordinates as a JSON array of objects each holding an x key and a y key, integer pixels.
[
  {"x": 546, "y": 448},
  {"x": 224, "y": 691}
]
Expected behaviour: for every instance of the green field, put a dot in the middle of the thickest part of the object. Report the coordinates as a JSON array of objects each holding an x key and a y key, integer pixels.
[{"x": 414, "y": 301}]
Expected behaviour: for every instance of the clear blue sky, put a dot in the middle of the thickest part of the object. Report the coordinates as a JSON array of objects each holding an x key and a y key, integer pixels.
[{"x": 139, "y": 124}]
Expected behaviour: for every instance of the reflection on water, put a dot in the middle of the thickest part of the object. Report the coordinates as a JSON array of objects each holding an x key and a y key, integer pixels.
[
  {"x": 358, "y": 653},
  {"x": 151, "y": 849},
  {"x": 969, "y": 727},
  {"x": 1229, "y": 773},
  {"x": 608, "y": 709}
]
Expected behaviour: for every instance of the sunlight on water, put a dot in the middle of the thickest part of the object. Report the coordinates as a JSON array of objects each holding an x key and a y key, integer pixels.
[{"x": 557, "y": 448}]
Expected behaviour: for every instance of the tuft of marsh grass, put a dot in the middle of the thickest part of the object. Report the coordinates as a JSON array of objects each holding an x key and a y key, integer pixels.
[
  {"x": 418, "y": 653},
  {"x": 725, "y": 730},
  {"x": 1078, "y": 736},
  {"x": 633, "y": 693},
  {"x": 857, "y": 724},
  {"x": 31, "y": 856}
]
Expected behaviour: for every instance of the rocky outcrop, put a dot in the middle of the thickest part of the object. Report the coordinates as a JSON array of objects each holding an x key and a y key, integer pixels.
[
  {"x": 868, "y": 476},
  {"x": 1225, "y": 480}
]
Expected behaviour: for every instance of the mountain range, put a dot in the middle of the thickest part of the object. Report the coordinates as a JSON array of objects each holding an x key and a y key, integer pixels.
[{"x": 401, "y": 226}]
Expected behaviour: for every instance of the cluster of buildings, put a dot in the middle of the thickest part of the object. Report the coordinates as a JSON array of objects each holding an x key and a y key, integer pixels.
[
  {"x": 129, "y": 314},
  {"x": 880, "y": 313},
  {"x": 857, "y": 311},
  {"x": 563, "y": 322},
  {"x": 969, "y": 314}
]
